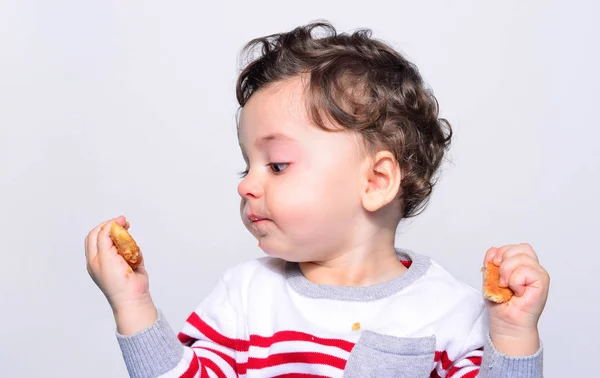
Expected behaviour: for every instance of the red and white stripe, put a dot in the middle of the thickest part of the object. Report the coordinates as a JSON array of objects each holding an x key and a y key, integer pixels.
[
  {"x": 214, "y": 349},
  {"x": 284, "y": 354},
  {"x": 466, "y": 366}
]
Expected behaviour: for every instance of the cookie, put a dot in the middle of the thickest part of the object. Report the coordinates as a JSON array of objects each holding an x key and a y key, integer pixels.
[
  {"x": 491, "y": 288},
  {"x": 126, "y": 246}
]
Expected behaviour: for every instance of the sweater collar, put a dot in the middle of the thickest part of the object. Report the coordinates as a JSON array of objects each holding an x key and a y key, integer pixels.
[{"x": 418, "y": 267}]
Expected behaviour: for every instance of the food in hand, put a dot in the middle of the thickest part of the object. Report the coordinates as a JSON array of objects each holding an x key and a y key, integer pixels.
[
  {"x": 491, "y": 285},
  {"x": 126, "y": 246}
]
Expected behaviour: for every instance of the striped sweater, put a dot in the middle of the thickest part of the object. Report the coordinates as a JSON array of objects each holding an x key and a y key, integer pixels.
[{"x": 265, "y": 319}]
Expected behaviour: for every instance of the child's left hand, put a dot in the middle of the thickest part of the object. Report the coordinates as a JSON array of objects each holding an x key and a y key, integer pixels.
[{"x": 513, "y": 325}]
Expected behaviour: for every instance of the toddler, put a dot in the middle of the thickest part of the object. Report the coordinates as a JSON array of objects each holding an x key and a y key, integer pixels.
[{"x": 341, "y": 140}]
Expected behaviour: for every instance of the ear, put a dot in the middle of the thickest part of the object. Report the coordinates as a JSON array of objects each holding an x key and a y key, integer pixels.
[{"x": 383, "y": 177}]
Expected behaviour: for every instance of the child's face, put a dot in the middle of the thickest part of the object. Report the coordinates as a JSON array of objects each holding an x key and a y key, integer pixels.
[{"x": 301, "y": 196}]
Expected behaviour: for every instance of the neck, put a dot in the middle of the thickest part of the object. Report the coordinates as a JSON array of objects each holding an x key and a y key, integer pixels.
[{"x": 364, "y": 265}]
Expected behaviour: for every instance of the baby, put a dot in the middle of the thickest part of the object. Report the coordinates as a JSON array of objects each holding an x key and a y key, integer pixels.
[{"x": 341, "y": 141}]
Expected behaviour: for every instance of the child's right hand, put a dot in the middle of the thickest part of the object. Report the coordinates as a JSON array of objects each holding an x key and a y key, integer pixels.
[{"x": 126, "y": 290}]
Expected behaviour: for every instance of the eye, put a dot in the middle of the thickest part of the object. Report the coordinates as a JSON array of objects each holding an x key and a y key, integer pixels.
[
  {"x": 278, "y": 167},
  {"x": 243, "y": 174}
]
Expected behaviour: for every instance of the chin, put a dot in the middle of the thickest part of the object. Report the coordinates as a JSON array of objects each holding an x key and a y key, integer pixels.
[{"x": 280, "y": 253}]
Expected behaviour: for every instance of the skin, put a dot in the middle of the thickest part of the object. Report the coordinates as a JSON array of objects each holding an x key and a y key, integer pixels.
[
  {"x": 322, "y": 200},
  {"x": 318, "y": 198}
]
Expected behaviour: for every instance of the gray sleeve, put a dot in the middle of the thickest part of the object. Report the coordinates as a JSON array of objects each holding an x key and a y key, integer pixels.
[
  {"x": 497, "y": 365},
  {"x": 152, "y": 351}
]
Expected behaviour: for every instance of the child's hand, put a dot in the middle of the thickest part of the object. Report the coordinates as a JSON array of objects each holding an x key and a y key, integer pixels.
[
  {"x": 513, "y": 325},
  {"x": 126, "y": 290}
]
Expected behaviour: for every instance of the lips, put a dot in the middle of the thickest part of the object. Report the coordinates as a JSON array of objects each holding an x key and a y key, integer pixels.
[{"x": 256, "y": 218}]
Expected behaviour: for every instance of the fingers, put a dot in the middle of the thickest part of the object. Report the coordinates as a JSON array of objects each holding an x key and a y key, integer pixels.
[
  {"x": 519, "y": 266},
  {"x": 91, "y": 240},
  {"x": 509, "y": 265},
  {"x": 511, "y": 250},
  {"x": 489, "y": 255},
  {"x": 122, "y": 221},
  {"x": 500, "y": 252},
  {"x": 522, "y": 277},
  {"x": 104, "y": 241},
  {"x": 521, "y": 249}
]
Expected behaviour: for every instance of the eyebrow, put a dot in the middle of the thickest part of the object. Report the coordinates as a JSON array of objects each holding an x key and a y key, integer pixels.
[{"x": 275, "y": 137}]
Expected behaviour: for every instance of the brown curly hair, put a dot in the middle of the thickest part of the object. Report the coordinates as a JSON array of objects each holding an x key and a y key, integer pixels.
[{"x": 361, "y": 84}]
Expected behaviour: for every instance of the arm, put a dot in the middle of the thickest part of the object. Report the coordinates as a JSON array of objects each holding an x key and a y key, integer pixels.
[
  {"x": 480, "y": 358},
  {"x": 149, "y": 346},
  {"x": 488, "y": 362},
  {"x": 207, "y": 343},
  {"x": 154, "y": 351},
  {"x": 497, "y": 364}
]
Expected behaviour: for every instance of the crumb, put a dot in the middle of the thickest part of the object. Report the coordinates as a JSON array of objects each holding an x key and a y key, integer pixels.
[
  {"x": 128, "y": 272},
  {"x": 356, "y": 326}
]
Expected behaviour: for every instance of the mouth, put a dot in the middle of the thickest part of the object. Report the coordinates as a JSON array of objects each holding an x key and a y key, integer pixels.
[{"x": 256, "y": 218}]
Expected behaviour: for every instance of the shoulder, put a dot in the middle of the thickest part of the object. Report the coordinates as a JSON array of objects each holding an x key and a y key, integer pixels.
[
  {"x": 263, "y": 269},
  {"x": 447, "y": 282},
  {"x": 454, "y": 311},
  {"x": 437, "y": 286}
]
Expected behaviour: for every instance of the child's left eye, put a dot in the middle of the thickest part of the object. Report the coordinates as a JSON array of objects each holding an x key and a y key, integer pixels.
[{"x": 278, "y": 167}]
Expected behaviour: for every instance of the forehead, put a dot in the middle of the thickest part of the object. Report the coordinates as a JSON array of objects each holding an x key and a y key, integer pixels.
[
  {"x": 279, "y": 114},
  {"x": 278, "y": 110}
]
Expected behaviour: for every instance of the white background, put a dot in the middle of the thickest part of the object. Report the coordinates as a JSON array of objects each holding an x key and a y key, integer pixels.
[{"x": 110, "y": 107}]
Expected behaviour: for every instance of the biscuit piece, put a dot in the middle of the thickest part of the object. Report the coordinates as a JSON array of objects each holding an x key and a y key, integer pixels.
[
  {"x": 491, "y": 289},
  {"x": 125, "y": 244}
]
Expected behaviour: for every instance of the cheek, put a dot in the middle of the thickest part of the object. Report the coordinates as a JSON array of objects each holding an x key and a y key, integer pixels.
[
  {"x": 316, "y": 202},
  {"x": 290, "y": 202}
]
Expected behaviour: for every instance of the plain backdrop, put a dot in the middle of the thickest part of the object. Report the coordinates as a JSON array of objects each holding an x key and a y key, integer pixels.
[{"x": 111, "y": 107}]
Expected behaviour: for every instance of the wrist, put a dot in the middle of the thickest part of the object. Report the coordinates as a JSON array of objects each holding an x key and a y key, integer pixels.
[
  {"x": 524, "y": 343},
  {"x": 134, "y": 316}
]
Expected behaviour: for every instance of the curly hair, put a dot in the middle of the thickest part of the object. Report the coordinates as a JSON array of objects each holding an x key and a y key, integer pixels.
[{"x": 361, "y": 84}]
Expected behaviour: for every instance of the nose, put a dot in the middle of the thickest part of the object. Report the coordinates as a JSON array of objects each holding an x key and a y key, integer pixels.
[{"x": 250, "y": 187}]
